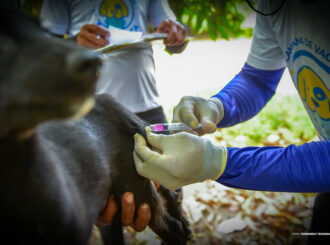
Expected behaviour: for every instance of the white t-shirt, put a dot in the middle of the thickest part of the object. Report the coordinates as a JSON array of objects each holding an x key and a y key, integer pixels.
[
  {"x": 128, "y": 76},
  {"x": 298, "y": 37}
]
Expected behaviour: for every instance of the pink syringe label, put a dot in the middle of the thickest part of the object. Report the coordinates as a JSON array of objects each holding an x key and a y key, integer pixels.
[{"x": 158, "y": 128}]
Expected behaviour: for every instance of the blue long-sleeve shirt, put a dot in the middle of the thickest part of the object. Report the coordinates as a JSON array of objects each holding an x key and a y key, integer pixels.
[{"x": 304, "y": 168}]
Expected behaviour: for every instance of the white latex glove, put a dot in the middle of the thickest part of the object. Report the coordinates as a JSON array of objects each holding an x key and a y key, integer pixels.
[
  {"x": 193, "y": 110},
  {"x": 184, "y": 159}
]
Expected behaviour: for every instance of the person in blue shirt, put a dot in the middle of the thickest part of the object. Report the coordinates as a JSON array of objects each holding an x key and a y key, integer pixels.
[{"x": 296, "y": 37}]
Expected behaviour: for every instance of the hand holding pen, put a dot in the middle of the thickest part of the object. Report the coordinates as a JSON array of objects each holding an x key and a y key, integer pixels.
[{"x": 93, "y": 36}]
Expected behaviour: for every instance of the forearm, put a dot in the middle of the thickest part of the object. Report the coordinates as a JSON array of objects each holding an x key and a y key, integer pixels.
[
  {"x": 304, "y": 168},
  {"x": 245, "y": 95}
]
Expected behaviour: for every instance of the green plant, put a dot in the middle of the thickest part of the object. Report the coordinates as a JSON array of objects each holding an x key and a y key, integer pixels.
[
  {"x": 32, "y": 7},
  {"x": 284, "y": 117},
  {"x": 218, "y": 18}
]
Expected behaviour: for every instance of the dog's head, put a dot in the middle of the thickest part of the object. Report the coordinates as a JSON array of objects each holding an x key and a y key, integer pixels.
[{"x": 41, "y": 77}]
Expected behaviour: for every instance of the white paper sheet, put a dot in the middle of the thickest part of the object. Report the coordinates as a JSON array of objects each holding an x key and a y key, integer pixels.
[{"x": 122, "y": 36}]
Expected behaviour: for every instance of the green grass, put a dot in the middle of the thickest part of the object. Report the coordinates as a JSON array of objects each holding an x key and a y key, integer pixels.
[{"x": 283, "y": 116}]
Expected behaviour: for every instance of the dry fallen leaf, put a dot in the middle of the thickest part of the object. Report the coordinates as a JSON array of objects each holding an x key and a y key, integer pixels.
[{"x": 231, "y": 225}]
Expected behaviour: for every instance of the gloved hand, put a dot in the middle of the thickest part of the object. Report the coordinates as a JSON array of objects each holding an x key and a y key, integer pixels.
[
  {"x": 193, "y": 110},
  {"x": 184, "y": 159}
]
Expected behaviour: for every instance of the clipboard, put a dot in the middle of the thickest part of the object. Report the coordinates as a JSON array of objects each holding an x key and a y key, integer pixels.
[{"x": 139, "y": 42}]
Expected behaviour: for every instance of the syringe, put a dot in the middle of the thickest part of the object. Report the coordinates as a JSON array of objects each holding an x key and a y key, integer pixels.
[{"x": 166, "y": 127}]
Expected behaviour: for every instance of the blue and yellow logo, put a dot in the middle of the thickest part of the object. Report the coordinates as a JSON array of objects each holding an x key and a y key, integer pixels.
[
  {"x": 117, "y": 13},
  {"x": 313, "y": 91}
]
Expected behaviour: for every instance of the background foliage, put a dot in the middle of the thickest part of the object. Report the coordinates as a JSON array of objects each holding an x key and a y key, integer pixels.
[
  {"x": 282, "y": 122},
  {"x": 32, "y": 7},
  {"x": 217, "y": 18}
]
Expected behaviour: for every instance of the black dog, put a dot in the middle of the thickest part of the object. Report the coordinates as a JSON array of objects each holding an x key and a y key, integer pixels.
[{"x": 56, "y": 175}]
